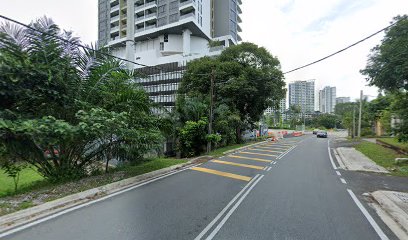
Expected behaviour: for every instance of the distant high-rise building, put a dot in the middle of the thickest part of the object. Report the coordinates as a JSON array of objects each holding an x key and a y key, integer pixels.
[
  {"x": 327, "y": 99},
  {"x": 342, "y": 100},
  {"x": 167, "y": 33},
  {"x": 302, "y": 93},
  {"x": 281, "y": 110}
]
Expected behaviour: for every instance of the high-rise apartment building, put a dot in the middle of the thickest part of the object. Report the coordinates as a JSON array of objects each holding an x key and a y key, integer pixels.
[
  {"x": 327, "y": 99},
  {"x": 342, "y": 100},
  {"x": 167, "y": 33},
  {"x": 302, "y": 93},
  {"x": 281, "y": 110}
]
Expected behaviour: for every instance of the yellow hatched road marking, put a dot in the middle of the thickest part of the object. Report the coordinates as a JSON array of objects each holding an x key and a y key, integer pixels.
[
  {"x": 268, "y": 149},
  {"x": 260, "y": 154},
  {"x": 281, "y": 144},
  {"x": 264, "y": 150},
  {"x": 249, "y": 158},
  {"x": 224, "y": 174},
  {"x": 238, "y": 164},
  {"x": 280, "y": 147}
]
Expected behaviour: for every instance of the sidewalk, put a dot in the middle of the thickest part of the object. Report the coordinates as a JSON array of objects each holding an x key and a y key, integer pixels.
[
  {"x": 351, "y": 159},
  {"x": 392, "y": 207}
]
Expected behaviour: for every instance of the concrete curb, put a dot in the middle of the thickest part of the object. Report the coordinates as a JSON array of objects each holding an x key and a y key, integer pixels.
[
  {"x": 340, "y": 159},
  {"x": 244, "y": 147},
  {"x": 25, "y": 216},
  {"x": 396, "y": 218}
]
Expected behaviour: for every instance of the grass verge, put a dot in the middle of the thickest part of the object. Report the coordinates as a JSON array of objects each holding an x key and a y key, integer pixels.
[
  {"x": 40, "y": 191},
  {"x": 29, "y": 178},
  {"x": 394, "y": 142},
  {"x": 384, "y": 157}
]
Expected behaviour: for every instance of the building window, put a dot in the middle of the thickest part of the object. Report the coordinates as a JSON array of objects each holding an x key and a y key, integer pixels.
[
  {"x": 166, "y": 37},
  {"x": 161, "y": 46}
]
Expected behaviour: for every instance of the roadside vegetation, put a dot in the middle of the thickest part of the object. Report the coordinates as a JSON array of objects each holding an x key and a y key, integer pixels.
[
  {"x": 396, "y": 143},
  {"x": 66, "y": 112},
  {"x": 38, "y": 192},
  {"x": 384, "y": 157},
  {"x": 386, "y": 69}
]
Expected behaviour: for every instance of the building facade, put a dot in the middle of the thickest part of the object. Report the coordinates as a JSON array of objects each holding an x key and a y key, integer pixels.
[
  {"x": 277, "y": 113},
  {"x": 342, "y": 100},
  {"x": 167, "y": 33},
  {"x": 302, "y": 93},
  {"x": 327, "y": 99}
]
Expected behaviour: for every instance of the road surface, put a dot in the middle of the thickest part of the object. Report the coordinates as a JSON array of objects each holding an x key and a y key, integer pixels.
[{"x": 285, "y": 190}]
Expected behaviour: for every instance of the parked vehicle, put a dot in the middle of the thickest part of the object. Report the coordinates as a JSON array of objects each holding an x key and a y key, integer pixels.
[{"x": 321, "y": 134}]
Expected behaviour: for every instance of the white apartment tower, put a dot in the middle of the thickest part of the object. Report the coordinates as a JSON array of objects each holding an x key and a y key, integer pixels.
[
  {"x": 302, "y": 93},
  {"x": 167, "y": 33},
  {"x": 327, "y": 99}
]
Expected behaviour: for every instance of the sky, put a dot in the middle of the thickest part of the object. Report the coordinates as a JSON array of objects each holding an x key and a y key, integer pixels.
[{"x": 295, "y": 31}]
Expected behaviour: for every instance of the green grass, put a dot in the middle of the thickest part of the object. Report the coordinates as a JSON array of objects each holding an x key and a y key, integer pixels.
[
  {"x": 394, "y": 142},
  {"x": 28, "y": 178},
  {"x": 150, "y": 166},
  {"x": 384, "y": 157}
]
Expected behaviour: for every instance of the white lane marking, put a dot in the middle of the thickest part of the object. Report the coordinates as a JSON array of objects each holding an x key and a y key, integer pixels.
[
  {"x": 330, "y": 156},
  {"x": 343, "y": 181},
  {"x": 265, "y": 168},
  {"x": 269, "y": 169},
  {"x": 211, "y": 224},
  {"x": 41, "y": 220},
  {"x": 370, "y": 219},
  {"x": 231, "y": 211},
  {"x": 338, "y": 173},
  {"x": 274, "y": 162},
  {"x": 282, "y": 155}
]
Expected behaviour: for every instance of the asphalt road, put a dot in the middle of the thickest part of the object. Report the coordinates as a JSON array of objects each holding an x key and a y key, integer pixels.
[{"x": 286, "y": 190}]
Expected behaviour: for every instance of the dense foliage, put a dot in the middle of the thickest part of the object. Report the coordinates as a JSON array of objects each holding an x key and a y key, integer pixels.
[
  {"x": 247, "y": 79},
  {"x": 63, "y": 109},
  {"x": 387, "y": 68}
]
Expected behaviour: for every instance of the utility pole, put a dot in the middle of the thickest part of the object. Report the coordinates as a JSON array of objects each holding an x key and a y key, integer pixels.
[
  {"x": 359, "y": 114},
  {"x": 354, "y": 122},
  {"x": 211, "y": 109}
]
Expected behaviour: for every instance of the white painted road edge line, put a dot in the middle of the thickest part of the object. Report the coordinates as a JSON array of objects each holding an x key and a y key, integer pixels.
[
  {"x": 338, "y": 173},
  {"x": 274, "y": 163},
  {"x": 211, "y": 224},
  {"x": 41, "y": 220},
  {"x": 330, "y": 156},
  {"x": 269, "y": 169},
  {"x": 231, "y": 211},
  {"x": 370, "y": 219},
  {"x": 343, "y": 181}
]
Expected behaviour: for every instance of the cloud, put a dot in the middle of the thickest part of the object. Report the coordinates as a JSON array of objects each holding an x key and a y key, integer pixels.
[{"x": 299, "y": 32}]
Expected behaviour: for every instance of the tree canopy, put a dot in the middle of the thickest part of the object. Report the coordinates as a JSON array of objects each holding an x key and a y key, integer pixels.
[{"x": 63, "y": 108}]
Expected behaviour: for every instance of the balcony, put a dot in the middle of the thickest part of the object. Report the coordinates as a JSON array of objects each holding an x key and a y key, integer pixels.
[
  {"x": 188, "y": 15},
  {"x": 239, "y": 2},
  {"x": 114, "y": 19},
  {"x": 114, "y": 9},
  {"x": 239, "y": 9},
  {"x": 184, "y": 3},
  {"x": 150, "y": 27},
  {"x": 114, "y": 29},
  {"x": 147, "y": 6},
  {"x": 239, "y": 19},
  {"x": 239, "y": 29}
]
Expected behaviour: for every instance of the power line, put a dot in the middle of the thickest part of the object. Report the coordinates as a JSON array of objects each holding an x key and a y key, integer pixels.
[
  {"x": 73, "y": 43},
  {"x": 342, "y": 50}
]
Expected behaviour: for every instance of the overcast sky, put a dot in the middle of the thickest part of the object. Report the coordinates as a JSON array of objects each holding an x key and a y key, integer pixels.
[{"x": 296, "y": 31}]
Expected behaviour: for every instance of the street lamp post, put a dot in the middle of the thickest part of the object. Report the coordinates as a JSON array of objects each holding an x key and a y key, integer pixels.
[{"x": 212, "y": 77}]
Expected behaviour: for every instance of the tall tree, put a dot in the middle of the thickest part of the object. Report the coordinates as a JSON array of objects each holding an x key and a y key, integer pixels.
[
  {"x": 247, "y": 78},
  {"x": 387, "y": 68}
]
